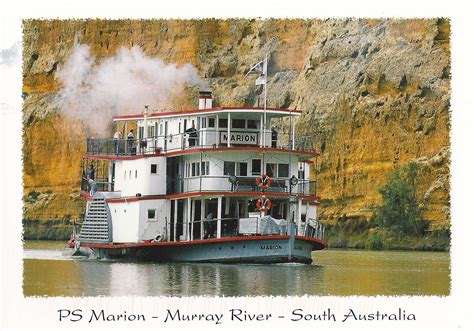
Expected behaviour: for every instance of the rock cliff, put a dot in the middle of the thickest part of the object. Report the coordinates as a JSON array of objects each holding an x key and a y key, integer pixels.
[{"x": 375, "y": 93}]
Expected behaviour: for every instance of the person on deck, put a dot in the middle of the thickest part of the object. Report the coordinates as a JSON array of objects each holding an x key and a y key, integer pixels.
[
  {"x": 91, "y": 172},
  {"x": 192, "y": 135},
  {"x": 117, "y": 138},
  {"x": 130, "y": 139},
  {"x": 274, "y": 137},
  {"x": 93, "y": 186},
  {"x": 208, "y": 226}
]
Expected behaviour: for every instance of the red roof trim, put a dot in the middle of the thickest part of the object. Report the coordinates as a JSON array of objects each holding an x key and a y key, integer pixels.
[
  {"x": 194, "y": 111},
  {"x": 223, "y": 149},
  {"x": 114, "y": 157},
  {"x": 316, "y": 242},
  {"x": 199, "y": 150},
  {"x": 208, "y": 193},
  {"x": 132, "y": 199},
  {"x": 227, "y": 193}
]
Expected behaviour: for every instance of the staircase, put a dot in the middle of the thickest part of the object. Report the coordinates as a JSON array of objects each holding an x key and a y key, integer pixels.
[{"x": 97, "y": 226}]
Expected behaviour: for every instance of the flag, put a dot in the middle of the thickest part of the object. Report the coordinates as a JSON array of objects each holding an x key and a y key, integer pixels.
[
  {"x": 260, "y": 69},
  {"x": 260, "y": 80}
]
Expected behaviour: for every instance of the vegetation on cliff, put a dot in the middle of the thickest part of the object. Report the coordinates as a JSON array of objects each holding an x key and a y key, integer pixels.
[
  {"x": 400, "y": 209},
  {"x": 397, "y": 222}
]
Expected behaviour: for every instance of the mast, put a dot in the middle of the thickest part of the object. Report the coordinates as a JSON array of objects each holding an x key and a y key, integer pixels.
[{"x": 265, "y": 99}]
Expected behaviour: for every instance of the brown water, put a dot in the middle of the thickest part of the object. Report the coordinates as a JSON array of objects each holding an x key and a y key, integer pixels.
[{"x": 49, "y": 271}]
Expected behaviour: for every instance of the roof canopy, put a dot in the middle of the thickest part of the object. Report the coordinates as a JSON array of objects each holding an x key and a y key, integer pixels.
[{"x": 248, "y": 112}]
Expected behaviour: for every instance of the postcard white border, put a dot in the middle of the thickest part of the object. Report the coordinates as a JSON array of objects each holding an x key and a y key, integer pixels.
[{"x": 452, "y": 312}]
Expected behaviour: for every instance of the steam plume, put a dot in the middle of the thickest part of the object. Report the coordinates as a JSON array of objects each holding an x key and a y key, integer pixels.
[{"x": 95, "y": 91}]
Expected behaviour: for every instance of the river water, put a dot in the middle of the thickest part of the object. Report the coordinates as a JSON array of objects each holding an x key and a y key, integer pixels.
[{"x": 50, "y": 271}]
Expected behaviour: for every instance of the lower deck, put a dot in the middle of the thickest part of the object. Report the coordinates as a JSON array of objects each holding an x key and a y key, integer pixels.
[{"x": 190, "y": 219}]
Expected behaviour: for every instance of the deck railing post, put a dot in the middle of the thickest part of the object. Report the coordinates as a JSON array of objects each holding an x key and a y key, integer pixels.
[
  {"x": 175, "y": 227},
  {"x": 203, "y": 211},
  {"x": 219, "y": 216}
]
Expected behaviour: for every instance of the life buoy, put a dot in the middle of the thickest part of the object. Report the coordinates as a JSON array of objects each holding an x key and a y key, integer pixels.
[
  {"x": 264, "y": 204},
  {"x": 158, "y": 238},
  {"x": 263, "y": 181}
]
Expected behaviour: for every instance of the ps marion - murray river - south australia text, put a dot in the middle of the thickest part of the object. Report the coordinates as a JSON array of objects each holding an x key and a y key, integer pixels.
[{"x": 185, "y": 157}]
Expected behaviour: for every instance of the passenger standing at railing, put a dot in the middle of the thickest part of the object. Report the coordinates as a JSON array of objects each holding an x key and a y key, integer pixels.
[
  {"x": 208, "y": 226},
  {"x": 274, "y": 137},
  {"x": 117, "y": 137},
  {"x": 90, "y": 175},
  {"x": 130, "y": 139},
  {"x": 91, "y": 172},
  {"x": 93, "y": 186},
  {"x": 192, "y": 135}
]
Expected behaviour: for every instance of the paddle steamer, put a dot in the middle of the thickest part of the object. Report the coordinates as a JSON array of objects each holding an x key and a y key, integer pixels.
[{"x": 213, "y": 184}]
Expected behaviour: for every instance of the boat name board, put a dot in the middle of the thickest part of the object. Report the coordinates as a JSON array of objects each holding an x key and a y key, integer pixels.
[
  {"x": 245, "y": 138},
  {"x": 270, "y": 247}
]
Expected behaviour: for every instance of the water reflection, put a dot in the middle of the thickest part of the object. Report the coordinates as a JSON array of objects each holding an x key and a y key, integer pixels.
[{"x": 337, "y": 272}]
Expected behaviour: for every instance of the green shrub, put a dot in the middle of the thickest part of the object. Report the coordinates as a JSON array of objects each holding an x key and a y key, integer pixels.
[
  {"x": 375, "y": 241},
  {"x": 400, "y": 209}
]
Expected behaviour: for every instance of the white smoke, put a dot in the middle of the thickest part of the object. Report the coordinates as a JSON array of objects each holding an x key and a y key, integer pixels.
[{"x": 94, "y": 91}]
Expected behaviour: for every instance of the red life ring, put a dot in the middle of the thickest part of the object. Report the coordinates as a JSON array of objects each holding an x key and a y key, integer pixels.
[
  {"x": 263, "y": 181},
  {"x": 264, "y": 204}
]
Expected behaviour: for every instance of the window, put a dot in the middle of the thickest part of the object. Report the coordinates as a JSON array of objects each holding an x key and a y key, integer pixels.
[
  {"x": 242, "y": 169},
  {"x": 229, "y": 168},
  {"x": 223, "y": 122},
  {"x": 256, "y": 167},
  {"x": 125, "y": 175},
  {"x": 252, "y": 124},
  {"x": 154, "y": 169},
  {"x": 141, "y": 129},
  {"x": 185, "y": 125},
  {"x": 187, "y": 169},
  {"x": 130, "y": 174},
  {"x": 211, "y": 122},
  {"x": 283, "y": 170},
  {"x": 205, "y": 168},
  {"x": 195, "y": 170},
  {"x": 203, "y": 123},
  {"x": 271, "y": 169},
  {"x": 136, "y": 173},
  {"x": 151, "y": 214},
  {"x": 238, "y": 124},
  {"x": 151, "y": 131}
]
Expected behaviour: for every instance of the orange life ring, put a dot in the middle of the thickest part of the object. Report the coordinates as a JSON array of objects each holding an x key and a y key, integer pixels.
[
  {"x": 264, "y": 206},
  {"x": 263, "y": 181}
]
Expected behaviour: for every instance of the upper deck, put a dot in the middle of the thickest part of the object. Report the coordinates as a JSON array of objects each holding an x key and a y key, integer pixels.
[{"x": 206, "y": 129}]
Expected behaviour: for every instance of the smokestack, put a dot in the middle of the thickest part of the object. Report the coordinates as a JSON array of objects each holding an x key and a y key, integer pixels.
[{"x": 205, "y": 99}]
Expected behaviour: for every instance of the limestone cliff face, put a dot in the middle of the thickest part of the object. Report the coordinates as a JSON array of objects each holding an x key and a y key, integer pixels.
[{"x": 375, "y": 94}]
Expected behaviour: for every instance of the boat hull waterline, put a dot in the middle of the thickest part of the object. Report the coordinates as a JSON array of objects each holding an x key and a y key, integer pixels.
[{"x": 255, "y": 249}]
